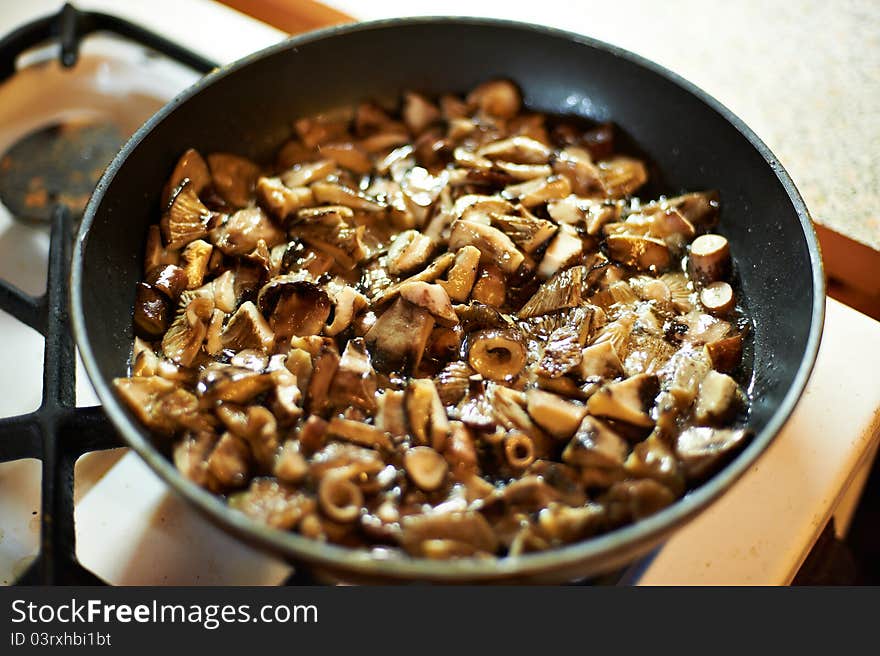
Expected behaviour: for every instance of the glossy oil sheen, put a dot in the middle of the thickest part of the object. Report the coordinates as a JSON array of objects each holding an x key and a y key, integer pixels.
[{"x": 248, "y": 109}]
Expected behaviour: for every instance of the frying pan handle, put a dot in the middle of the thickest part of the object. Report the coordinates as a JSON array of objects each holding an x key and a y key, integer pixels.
[{"x": 70, "y": 25}]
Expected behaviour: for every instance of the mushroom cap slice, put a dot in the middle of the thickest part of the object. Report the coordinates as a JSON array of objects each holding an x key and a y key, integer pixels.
[
  {"x": 643, "y": 253},
  {"x": 495, "y": 246},
  {"x": 233, "y": 177},
  {"x": 398, "y": 339},
  {"x": 595, "y": 444},
  {"x": 628, "y": 400},
  {"x": 241, "y": 232},
  {"x": 565, "y": 247},
  {"x": 719, "y": 399},
  {"x": 295, "y": 306},
  {"x": 433, "y": 298},
  {"x": 466, "y": 527},
  {"x": 559, "y": 417},
  {"x": 247, "y": 329},
  {"x": 425, "y": 467},
  {"x": 564, "y": 290},
  {"x": 702, "y": 449},
  {"x": 187, "y": 217}
]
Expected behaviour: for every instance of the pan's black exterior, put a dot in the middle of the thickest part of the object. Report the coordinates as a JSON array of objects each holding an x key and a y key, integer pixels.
[{"x": 248, "y": 107}]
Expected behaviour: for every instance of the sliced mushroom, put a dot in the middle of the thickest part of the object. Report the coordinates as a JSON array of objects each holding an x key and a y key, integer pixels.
[
  {"x": 629, "y": 400},
  {"x": 355, "y": 380},
  {"x": 426, "y": 414},
  {"x": 710, "y": 258},
  {"x": 595, "y": 444},
  {"x": 537, "y": 191},
  {"x": 391, "y": 413},
  {"x": 490, "y": 288},
  {"x": 474, "y": 206},
  {"x": 340, "y": 499},
  {"x": 652, "y": 458},
  {"x": 467, "y": 527},
  {"x": 629, "y": 500},
  {"x": 187, "y": 217},
  {"x": 497, "y": 354},
  {"x": 143, "y": 395},
  {"x": 726, "y": 353},
  {"x": 347, "y": 302},
  {"x": 273, "y": 504},
  {"x": 241, "y": 232},
  {"x": 280, "y": 200},
  {"x": 194, "y": 260},
  {"x": 151, "y": 311},
  {"x": 409, "y": 251},
  {"x": 564, "y": 290},
  {"x": 330, "y": 233},
  {"x": 452, "y": 382},
  {"x": 703, "y": 449},
  {"x": 643, "y": 253},
  {"x": 247, "y": 329},
  {"x": 219, "y": 382},
  {"x": 319, "y": 129},
  {"x": 495, "y": 246},
  {"x": 564, "y": 249},
  {"x": 337, "y": 194},
  {"x": 560, "y": 418},
  {"x": 699, "y": 208},
  {"x": 431, "y": 273},
  {"x": 518, "y": 150},
  {"x": 302, "y": 175},
  {"x": 418, "y": 112},
  {"x": 563, "y": 348},
  {"x": 294, "y": 306},
  {"x": 462, "y": 274},
  {"x": 290, "y": 465},
  {"x": 398, "y": 339},
  {"x": 169, "y": 279},
  {"x": 496, "y": 98},
  {"x": 324, "y": 369},
  {"x": 528, "y": 232},
  {"x": 228, "y": 463},
  {"x": 719, "y": 399},
  {"x": 357, "y": 432},
  {"x": 621, "y": 176},
  {"x": 191, "y": 166},
  {"x": 600, "y": 360},
  {"x": 718, "y": 298},
  {"x": 183, "y": 339},
  {"x": 233, "y": 177},
  {"x": 348, "y": 155},
  {"x": 431, "y": 297},
  {"x": 425, "y": 467}
]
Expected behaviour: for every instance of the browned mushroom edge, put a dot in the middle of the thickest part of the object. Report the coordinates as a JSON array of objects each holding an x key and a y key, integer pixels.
[{"x": 447, "y": 329}]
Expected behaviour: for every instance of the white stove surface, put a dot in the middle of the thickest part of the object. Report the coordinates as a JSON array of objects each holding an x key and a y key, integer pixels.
[{"x": 132, "y": 530}]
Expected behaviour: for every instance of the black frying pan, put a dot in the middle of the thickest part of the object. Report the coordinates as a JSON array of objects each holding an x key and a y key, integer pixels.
[{"x": 248, "y": 107}]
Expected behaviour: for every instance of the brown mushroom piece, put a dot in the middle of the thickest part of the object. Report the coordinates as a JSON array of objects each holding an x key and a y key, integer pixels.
[
  {"x": 496, "y": 98},
  {"x": 490, "y": 287},
  {"x": 462, "y": 275},
  {"x": 348, "y": 155},
  {"x": 564, "y": 249},
  {"x": 418, "y": 112},
  {"x": 241, "y": 232},
  {"x": 425, "y": 467},
  {"x": 398, "y": 339},
  {"x": 517, "y": 150},
  {"x": 576, "y": 165},
  {"x": 409, "y": 251},
  {"x": 347, "y": 302},
  {"x": 358, "y": 433},
  {"x": 725, "y": 354},
  {"x": 467, "y": 527},
  {"x": 537, "y": 191},
  {"x": 621, "y": 176},
  {"x": 334, "y": 193},
  {"x": 186, "y": 219},
  {"x": 709, "y": 258},
  {"x": 719, "y": 399},
  {"x": 699, "y": 208},
  {"x": 219, "y": 382},
  {"x": 228, "y": 463},
  {"x": 233, "y": 177},
  {"x": 631, "y": 500},
  {"x": 564, "y": 290},
  {"x": 528, "y": 232},
  {"x": 151, "y": 311},
  {"x": 629, "y": 400},
  {"x": 426, "y": 415},
  {"x": 290, "y": 464},
  {"x": 652, "y": 458},
  {"x": 391, "y": 413},
  {"x": 280, "y": 200},
  {"x": 191, "y": 166},
  {"x": 497, "y": 353},
  {"x": 273, "y": 504},
  {"x": 169, "y": 279},
  {"x": 718, "y": 298},
  {"x": 302, "y": 175},
  {"x": 643, "y": 253},
  {"x": 194, "y": 261},
  {"x": 703, "y": 449},
  {"x": 143, "y": 395},
  {"x": 184, "y": 337},
  {"x": 247, "y": 329},
  {"x": 326, "y": 362},
  {"x": 326, "y": 229},
  {"x": 595, "y": 444},
  {"x": 600, "y": 360},
  {"x": 559, "y": 417},
  {"x": 431, "y": 297},
  {"x": 294, "y": 306},
  {"x": 495, "y": 246},
  {"x": 355, "y": 380}
]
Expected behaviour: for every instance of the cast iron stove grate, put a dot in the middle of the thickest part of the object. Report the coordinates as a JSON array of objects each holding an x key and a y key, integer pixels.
[{"x": 58, "y": 432}]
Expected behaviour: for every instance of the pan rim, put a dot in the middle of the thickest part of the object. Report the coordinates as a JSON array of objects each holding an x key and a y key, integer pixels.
[{"x": 297, "y": 548}]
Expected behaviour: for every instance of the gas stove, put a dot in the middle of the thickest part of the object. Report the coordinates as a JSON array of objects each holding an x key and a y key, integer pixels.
[{"x": 105, "y": 517}]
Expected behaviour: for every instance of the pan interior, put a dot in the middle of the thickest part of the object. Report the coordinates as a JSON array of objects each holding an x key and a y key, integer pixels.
[{"x": 249, "y": 110}]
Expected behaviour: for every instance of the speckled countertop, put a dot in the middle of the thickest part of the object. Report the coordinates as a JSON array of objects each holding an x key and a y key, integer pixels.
[{"x": 804, "y": 74}]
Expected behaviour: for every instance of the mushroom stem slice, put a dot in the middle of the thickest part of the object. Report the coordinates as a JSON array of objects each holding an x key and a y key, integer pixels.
[
  {"x": 718, "y": 298},
  {"x": 497, "y": 354},
  {"x": 409, "y": 251},
  {"x": 425, "y": 467},
  {"x": 357, "y": 432},
  {"x": 600, "y": 360},
  {"x": 398, "y": 339},
  {"x": 280, "y": 200},
  {"x": 629, "y": 400},
  {"x": 537, "y": 191},
  {"x": 710, "y": 258}
]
